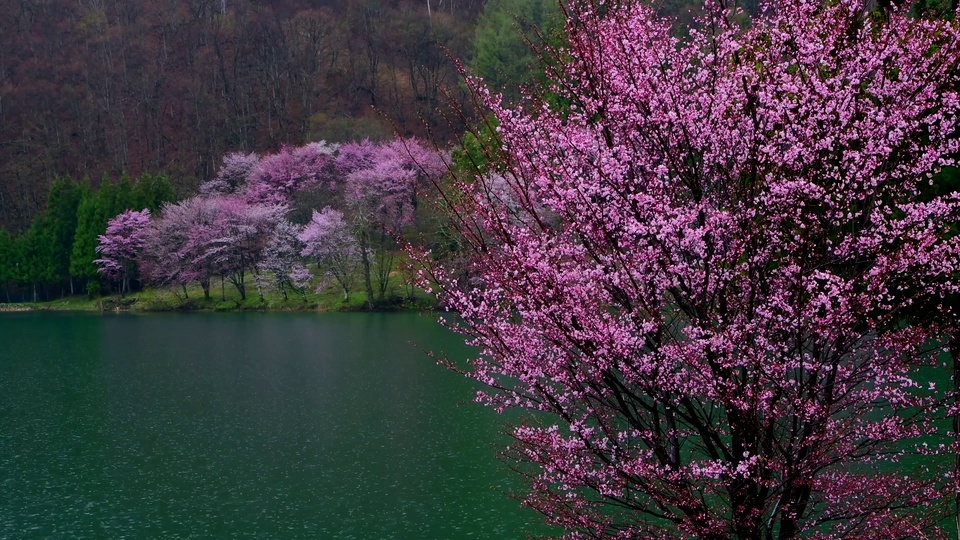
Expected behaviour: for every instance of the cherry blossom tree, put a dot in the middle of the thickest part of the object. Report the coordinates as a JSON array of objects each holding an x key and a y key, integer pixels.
[
  {"x": 120, "y": 246},
  {"x": 380, "y": 197},
  {"x": 281, "y": 260},
  {"x": 354, "y": 156},
  {"x": 201, "y": 238},
  {"x": 173, "y": 254},
  {"x": 701, "y": 274},
  {"x": 231, "y": 243},
  {"x": 329, "y": 240},
  {"x": 233, "y": 175},
  {"x": 277, "y": 177}
]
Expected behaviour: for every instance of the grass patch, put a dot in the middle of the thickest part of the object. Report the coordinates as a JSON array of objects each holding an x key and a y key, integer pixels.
[{"x": 227, "y": 298}]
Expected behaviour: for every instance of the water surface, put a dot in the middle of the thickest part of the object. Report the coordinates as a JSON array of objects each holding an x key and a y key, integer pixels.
[{"x": 245, "y": 426}]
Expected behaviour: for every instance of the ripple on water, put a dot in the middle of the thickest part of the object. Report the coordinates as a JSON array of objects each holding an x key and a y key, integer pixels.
[{"x": 244, "y": 426}]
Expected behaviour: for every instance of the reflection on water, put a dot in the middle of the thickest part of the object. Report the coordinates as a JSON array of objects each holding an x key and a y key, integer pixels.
[{"x": 244, "y": 425}]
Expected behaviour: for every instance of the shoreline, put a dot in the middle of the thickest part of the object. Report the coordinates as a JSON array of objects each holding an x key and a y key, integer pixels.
[{"x": 148, "y": 302}]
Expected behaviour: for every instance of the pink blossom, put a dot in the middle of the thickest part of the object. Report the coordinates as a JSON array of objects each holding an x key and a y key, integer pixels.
[
  {"x": 716, "y": 276},
  {"x": 278, "y": 176},
  {"x": 329, "y": 240},
  {"x": 121, "y": 244},
  {"x": 233, "y": 175}
]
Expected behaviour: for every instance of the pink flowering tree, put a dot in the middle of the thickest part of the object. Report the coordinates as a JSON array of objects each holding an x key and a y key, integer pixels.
[
  {"x": 175, "y": 245},
  {"x": 120, "y": 246},
  {"x": 281, "y": 261},
  {"x": 277, "y": 177},
  {"x": 203, "y": 238},
  {"x": 233, "y": 175},
  {"x": 380, "y": 197},
  {"x": 354, "y": 156},
  {"x": 329, "y": 240},
  {"x": 705, "y": 275},
  {"x": 232, "y": 243}
]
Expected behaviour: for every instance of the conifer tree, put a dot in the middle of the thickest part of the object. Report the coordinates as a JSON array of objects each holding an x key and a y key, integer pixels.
[
  {"x": 84, "y": 247},
  {"x": 36, "y": 256},
  {"x": 61, "y": 214},
  {"x": 8, "y": 261},
  {"x": 122, "y": 198},
  {"x": 142, "y": 196},
  {"x": 161, "y": 192}
]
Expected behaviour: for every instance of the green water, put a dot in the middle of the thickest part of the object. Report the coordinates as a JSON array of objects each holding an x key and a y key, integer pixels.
[{"x": 245, "y": 426}]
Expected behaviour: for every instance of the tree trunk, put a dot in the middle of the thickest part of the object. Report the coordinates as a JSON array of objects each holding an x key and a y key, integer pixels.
[
  {"x": 954, "y": 347},
  {"x": 238, "y": 281},
  {"x": 365, "y": 260}
]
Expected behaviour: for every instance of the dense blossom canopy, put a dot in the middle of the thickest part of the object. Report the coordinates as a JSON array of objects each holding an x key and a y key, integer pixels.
[
  {"x": 233, "y": 174},
  {"x": 120, "y": 246},
  {"x": 276, "y": 177},
  {"x": 241, "y": 223},
  {"x": 716, "y": 273},
  {"x": 329, "y": 240}
]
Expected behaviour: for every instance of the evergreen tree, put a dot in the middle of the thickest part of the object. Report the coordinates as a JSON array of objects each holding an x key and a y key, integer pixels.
[
  {"x": 7, "y": 261},
  {"x": 502, "y": 44},
  {"x": 143, "y": 192},
  {"x": 61, "y": 216},
  {"x": 84, "y": 248},
  {"x": 123, "y": 198},
  {"x": 151, "y": 191},
  {"x": 161, "y": 192},
  {"x": 36, "y": 256},
  {"x": 106, "y": 201}
]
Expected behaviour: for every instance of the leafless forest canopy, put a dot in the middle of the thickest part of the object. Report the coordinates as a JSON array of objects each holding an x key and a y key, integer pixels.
[{"x": 95, "y": 87}]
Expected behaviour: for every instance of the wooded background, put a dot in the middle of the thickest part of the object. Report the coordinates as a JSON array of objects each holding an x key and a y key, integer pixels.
[{"x": 106, "y": 87}]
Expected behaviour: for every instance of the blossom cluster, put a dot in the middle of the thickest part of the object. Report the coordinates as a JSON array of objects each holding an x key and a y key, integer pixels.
[{"x": 717, "y": 273}]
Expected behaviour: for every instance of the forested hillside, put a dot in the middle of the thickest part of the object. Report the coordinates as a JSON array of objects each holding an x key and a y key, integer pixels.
[
  {"x": 155, "y": 93},
  {"x": 96, "y": 87},
  {"x": 110, "y": 108}
]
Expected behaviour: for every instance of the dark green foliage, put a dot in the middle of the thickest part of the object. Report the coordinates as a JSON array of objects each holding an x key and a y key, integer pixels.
[
  {"x": 944, "y": 182},
  {"x": 161, "y": 191},
  {"x": 8, "y": 261},
  {"x": 36, "y": 257},
  {"x": 151, "y": 191},
  {"x": 479, "y": 150},
  {"x": 61, "y": 218},
  {"x": 107, "y": 203},
  {"x": 934, "y": 9},
  {"x": 507, "y": 35},
  {"x": 84, "y": 248},
  {"x": 60, "y": 246},
  {"x": 122, "y": 199},
  {"x": 142, "y": 193}
]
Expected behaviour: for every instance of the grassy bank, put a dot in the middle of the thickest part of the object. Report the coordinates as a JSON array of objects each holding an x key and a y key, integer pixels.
[{"x": 227, "y": 298}]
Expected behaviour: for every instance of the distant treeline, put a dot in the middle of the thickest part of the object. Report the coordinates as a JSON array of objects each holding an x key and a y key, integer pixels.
[
  {"x": 346, "y": 210},
  {"x": 93, "y": 88},
  {"x": 54, "y": 257}
]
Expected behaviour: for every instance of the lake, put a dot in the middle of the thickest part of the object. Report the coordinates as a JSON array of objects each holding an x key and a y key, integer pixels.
[{"x": 245, "y": 426}]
